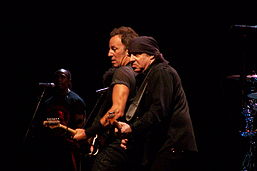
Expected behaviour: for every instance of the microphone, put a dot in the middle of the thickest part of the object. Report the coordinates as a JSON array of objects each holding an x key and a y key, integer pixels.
[
  {"x": 245, "y": 26},
  {"x": 51, "y": 85}
]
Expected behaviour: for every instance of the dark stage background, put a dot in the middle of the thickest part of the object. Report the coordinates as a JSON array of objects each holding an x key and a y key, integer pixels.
[{"x": 199, "y": 39}]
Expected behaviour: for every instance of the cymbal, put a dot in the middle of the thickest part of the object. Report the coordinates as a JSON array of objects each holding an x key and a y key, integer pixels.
[
  {"x": 248, "y": 77},
  {"x": 252, "y": 76},
  {"x": 252, "y": 95}
]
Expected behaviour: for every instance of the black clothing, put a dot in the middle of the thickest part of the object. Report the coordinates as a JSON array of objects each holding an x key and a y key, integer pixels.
[
  {"x": 172, "y": 160},
  {"x": 122, "y": 75},
  {"x": 69, "y": 108},
  {"x": 111, "y": 156},
  {"x": 54, "y": 149},
  {"x": 162, "y": 121}
]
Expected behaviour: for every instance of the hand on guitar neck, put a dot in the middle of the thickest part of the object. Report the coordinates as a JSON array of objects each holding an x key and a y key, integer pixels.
[{"x": 79, "y": 132}]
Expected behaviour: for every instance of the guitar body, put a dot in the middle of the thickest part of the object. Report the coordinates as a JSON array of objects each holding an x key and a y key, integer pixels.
[{"x": 106, "y": 137}]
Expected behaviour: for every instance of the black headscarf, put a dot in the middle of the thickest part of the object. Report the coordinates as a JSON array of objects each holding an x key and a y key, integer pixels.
[{"x": 145, "y": 44}]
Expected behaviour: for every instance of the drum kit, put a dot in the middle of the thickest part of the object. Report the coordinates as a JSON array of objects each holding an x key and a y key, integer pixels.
[
  {"x": 247, "y": 35},
  {"x": 249, "y": 111}
]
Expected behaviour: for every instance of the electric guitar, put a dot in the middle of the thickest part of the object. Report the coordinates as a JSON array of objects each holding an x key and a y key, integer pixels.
[{"x": 55, "y": 123}]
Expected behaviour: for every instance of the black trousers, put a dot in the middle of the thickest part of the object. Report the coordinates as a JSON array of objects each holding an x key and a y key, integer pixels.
[
  {"x": 111, "y": 158},
  {"x": 172, "y": 160}
]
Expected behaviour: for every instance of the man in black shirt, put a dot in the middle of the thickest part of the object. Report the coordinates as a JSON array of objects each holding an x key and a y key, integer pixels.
[
  {"x": 55, "y": 149},
  {"x": 121, "y": 82},
  {"x": 161, "y": 127}
]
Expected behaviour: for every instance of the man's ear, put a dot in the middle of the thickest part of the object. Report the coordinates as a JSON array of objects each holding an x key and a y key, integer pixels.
[{"x": 127, "y": 54}]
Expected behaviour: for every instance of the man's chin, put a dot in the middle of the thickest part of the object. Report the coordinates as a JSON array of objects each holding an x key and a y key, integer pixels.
[
  {"x": 115, "y": 65},
  {"x": 137, "y": 70}
]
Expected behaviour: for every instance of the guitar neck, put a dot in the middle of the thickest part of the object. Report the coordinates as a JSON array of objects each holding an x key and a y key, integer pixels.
[{"x": 67, "y": 128}]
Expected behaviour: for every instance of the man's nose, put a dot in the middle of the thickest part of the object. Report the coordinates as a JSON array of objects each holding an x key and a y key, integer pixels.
[
  {"x": 110, "y": 53},
  {"x": 132, "y": 58}
]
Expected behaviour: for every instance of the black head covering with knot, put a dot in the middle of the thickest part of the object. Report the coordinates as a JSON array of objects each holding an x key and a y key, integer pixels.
[{"x": 145, "y": 44}]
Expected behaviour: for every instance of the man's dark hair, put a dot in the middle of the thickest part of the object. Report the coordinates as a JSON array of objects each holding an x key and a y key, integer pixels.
[{"x": 126, "y": 33}]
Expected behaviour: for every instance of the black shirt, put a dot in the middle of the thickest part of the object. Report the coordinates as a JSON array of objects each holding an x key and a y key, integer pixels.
[{"x": 162, "y": 119}]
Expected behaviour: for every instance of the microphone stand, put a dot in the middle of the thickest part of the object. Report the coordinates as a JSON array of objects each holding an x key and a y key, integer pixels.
[
  {"x": 101, "y": 93},
  {"x": 34, "y": 114}
]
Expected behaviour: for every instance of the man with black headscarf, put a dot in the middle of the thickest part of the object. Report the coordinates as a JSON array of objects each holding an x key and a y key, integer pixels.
[{"x": 161, "y": 127}]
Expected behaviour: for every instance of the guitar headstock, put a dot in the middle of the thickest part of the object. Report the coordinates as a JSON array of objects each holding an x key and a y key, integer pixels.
[
  {"x": 52, "y": 122},
  {"x": 55, "y": 122}
]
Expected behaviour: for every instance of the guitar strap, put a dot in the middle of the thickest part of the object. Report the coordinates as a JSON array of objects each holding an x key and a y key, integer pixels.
[{"x": 133, "y": 106}]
